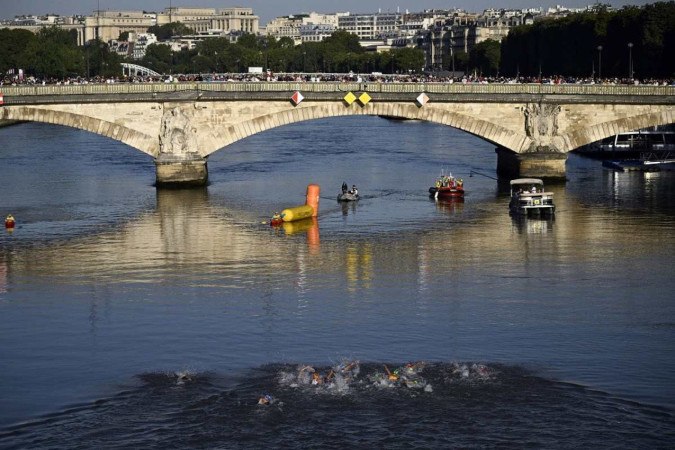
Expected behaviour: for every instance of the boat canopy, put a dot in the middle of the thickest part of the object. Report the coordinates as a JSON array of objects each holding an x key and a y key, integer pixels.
[{"x": 526, "y": 181}]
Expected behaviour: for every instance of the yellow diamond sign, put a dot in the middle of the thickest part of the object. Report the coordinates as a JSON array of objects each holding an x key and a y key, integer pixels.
[
  {"x": 350, "y": 98},
  {"x": 364, "y": 98}
]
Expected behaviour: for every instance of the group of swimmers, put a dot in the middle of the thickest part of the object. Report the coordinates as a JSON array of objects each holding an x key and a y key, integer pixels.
[
  {"x": 408, "y": 376},
  {"x": 339, "y": 375}
]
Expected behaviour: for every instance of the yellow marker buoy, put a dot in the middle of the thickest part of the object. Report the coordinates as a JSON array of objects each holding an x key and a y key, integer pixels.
[{"x": 297, "y": 213}]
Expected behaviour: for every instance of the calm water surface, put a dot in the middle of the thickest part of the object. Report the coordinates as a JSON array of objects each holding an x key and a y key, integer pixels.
[{"x": 131, "y": 317}]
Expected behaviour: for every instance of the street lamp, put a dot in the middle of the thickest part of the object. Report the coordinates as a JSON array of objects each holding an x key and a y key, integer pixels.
[
  {"x": 599, "y": 62},
  {"x": 630, "y": 60}
]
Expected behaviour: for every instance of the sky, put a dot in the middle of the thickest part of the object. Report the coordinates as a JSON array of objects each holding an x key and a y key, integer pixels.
[{"x": 268, "y": 9}]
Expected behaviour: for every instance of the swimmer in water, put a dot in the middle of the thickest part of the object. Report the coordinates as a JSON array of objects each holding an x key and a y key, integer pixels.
[
  {"x": 304, "y": 374},
  {"x": 414, "y": 368},
  {"x": 391, "y": 376},
  {"x": 182, "y": 377},
  {"x": 266, "y": 400},
  {"x": 345, "y": 368}
]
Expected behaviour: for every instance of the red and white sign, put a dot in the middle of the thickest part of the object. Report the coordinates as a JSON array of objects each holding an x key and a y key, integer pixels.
[{"x": 297, "y": 97}]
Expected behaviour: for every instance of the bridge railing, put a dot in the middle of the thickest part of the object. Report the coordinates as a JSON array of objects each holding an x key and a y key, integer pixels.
[{"x": 328, "y": 87}]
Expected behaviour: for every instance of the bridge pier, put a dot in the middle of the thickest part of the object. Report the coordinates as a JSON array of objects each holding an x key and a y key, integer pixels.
[
  {"x": 173, "y": 172},
  {"x": 537, "y": 164}
]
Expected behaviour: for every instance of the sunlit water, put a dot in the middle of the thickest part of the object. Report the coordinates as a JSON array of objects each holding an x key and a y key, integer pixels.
[{"x": 109, "y": 288}]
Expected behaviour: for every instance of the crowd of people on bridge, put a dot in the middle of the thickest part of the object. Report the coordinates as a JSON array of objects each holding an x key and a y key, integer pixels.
[{"x": 330, "y": 77}]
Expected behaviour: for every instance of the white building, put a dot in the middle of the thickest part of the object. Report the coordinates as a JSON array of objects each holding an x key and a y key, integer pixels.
[
  {"x": 310, "y": 27},
  {"x": 285, "y": 26},
  {"x": 207, "y": 20},
  {"x": 371, "y": 26},
  {"x": 316, "y": 33},
  {"x": 140, "y": 43}
]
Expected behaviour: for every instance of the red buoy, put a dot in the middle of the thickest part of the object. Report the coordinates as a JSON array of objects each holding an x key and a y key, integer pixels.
[
  {"x": 9, "y": 222},
  {"x": 276, "y": 220}
]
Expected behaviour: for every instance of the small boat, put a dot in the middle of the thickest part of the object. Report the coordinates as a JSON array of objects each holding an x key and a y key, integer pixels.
[
  {"x": 351, "y": 195},
  {"x": 447, "y": 187},
  {"x": 348, "y": 197},
  {"x": 529, "y": 198}
]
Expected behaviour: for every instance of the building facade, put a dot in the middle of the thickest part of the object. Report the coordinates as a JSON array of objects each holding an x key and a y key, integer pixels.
[
  {"x": 207, "y": 20},
  {"x": 371, "y": 26}
]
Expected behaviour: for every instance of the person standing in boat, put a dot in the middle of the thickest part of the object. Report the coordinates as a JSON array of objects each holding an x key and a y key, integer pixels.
[{"x": 344, "y": 187}]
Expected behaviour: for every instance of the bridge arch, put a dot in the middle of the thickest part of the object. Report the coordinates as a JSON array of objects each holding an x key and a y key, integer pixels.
[
  {"x": 140, "y": 141},
  {"x": 593, "y": 133},
  {"x": 484, "y": 129}
]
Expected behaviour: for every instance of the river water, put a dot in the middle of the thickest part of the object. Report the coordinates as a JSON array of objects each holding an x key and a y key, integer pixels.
[{"x": 131, "y": 317}]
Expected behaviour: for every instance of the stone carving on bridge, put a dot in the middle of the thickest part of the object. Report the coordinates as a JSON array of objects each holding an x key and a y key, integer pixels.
[
  {"x": 541, "y": 125},
  {"x": 176, "y": 136}
]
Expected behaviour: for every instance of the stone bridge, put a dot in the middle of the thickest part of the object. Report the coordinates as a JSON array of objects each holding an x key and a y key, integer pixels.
[{"x": 533, "y": 126}]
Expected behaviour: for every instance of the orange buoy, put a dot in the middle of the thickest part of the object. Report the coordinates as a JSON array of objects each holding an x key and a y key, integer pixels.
[
  {"x": 313, "y": 234},
  {"x": 313, "y": 191},
  {"x": 9, "y": 222}
]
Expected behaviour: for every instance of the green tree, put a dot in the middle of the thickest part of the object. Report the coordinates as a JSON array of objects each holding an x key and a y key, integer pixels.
[
  {"x": 13, "y": 44},
  {"x": 99, "y": 60},
  {"x": 249, "y": 41},
  {"x": 159, "y": 58},
  {"x": 53, "y": 53},
  {"x": 343, "y": 41},
  {"x": 408, "y": 60},
  {"x": 569, "y": 46},
  {"x": 461, "y": 62},
  {"x": 169, "y": 30},
  {"x": 484, "y": 57}
]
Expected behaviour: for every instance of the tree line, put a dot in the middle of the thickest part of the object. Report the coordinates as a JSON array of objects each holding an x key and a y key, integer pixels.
[
  {"x": 595, "y": 43},
  {"x": 339, "y": 53},
  {"x": 635, "y": 41},
  {"x": 54, "y": 53}
]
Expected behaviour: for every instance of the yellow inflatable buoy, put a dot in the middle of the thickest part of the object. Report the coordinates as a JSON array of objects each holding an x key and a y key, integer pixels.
[{"x": 297, "y": 213}]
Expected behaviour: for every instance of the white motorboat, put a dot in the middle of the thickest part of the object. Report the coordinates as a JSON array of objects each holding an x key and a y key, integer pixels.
[{"x": 528, "y": 197}]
